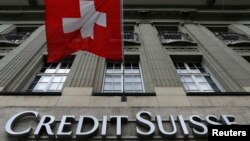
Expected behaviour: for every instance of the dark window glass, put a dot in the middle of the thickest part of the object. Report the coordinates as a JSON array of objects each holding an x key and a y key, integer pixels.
[{"x": 181, "y": 66}]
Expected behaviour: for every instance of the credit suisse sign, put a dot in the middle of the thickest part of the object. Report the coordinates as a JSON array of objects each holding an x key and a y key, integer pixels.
[{"x": 88, "y": 126}]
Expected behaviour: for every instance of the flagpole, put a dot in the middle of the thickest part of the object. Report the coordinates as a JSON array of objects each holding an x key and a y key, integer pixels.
[{"x": 123, "y": 98}]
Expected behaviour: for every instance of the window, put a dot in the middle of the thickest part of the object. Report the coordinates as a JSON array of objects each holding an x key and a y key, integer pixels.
[
  {"x": 195, "y": 78},
  {"x": 50, "y": 78},
  {"x": 115, "y": 81}
]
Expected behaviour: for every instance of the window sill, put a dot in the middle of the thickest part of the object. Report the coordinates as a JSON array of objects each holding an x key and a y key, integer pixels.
[
  {"x": 218, "y": 93},
  {"x": 126, "y": 94},
  {"x": 30, "y": 93}
]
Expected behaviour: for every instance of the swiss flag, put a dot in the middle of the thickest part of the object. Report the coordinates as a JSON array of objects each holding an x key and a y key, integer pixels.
[{"x": 89, "y": 25}]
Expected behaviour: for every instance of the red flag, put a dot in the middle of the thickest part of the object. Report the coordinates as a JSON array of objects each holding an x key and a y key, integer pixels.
[{"x": 89, "y": 25}]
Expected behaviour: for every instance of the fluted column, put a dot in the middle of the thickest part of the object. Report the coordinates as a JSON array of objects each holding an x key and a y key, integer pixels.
[
  {"x": 20, "y": 63},
  {"x": 155, "y": 60}
]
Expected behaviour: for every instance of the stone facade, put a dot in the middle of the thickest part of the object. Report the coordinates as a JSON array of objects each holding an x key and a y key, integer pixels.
[{"x": 164, "y": 91}]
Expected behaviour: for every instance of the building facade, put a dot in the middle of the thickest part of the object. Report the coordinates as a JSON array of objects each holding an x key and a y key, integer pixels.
[{"x": 182, "y": 58}]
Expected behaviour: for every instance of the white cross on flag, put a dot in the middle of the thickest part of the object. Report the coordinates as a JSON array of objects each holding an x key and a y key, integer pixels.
[{"x": 88, "y": 25}]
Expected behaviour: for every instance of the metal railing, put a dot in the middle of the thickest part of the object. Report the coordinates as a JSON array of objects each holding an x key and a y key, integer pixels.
[
  {"x": 14, "y": 38},
  {"x": 176, "y": 38},
  {"x": 233, "y": 39},
  {"x": 130, "y": 37}
]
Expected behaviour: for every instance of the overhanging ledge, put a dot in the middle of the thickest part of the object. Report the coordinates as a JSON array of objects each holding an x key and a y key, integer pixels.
[
  {"x": 218, "y": 93},
  {"x": 30, "y": 93}
]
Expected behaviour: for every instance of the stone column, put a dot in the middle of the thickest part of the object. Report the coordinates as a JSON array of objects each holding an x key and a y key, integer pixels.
[{"x": 17, "y": 67}]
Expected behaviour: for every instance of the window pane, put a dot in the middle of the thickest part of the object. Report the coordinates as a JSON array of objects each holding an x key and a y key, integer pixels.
[
  {"x": 40, "y": 87},
  {"x": 45, "y": 79},
  {"x": 192, "y": 86},
  {"x": 198, "y": 65},
  {"x": 113, "y": 67},
  {"x": 57, "y": 79},
  {"x": 117, "y": 86},
  {"x": 209, "y": 79},
  {"x": 212, "y": 84},
  {"x": 137, "y": 78},
  {"x": 108, "y": 86},
  {"x": 128, "y": 78},
  {"x": 69, "y": 65},
  {"x": 194, "y": 70},
  {"x": 175, "y": 65},
  {"x": 43, "y": 70},
  {"x": 117, "y": 71},
  {"x": 53, "y": 66},
  {"x": 117, "y": 66},
  {"x": 64, "y": 66},
  {"x": 53, "y": 86},
  {"x": 60, "y": 86},
  {"x": 63, "y": 78},
  {"x": 200, "y": 79},
  {"x": 215, "y": 87},
  {"x": 137, "y": 86},
  {"x": 109, "y": 78},
  {"x": 205, "y": 86},
  {"x": 182, "y": 78},
  {"x": 46, "y": 65},
  {"x": 135, "y": 65},
  {"x": 127, "y": 65},
  {"x": 183, "y": 70},
  {"x": 128, "y": 86},
  {"x": 186, "y": 78},
  {"x": 117, "y": 78},
  {"x": 128, "y": 71},
  {"x": 31, "y": 87},
  {"x": 181, "y": 65},
  {"x": 110, "y": 71},
  {"x": 50, "y": 71},
  {"x": 37, "y": 78},
  {"x": 61, "y": 71},
  {"x": 67, "y": 70},
  {"x": 186, "y": 86},
  {"x": 136, "y": 70},
  {"x": 109, "y": 65},
  {"x": 202, "y": 70},
  {"x": 191, "y": 65}
]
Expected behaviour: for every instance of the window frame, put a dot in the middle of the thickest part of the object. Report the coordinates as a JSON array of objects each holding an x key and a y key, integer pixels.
[
  {"x": 122, "y": 73},
  {"x": 195, "y": 80},
  {"x": 51, "y": 75}
]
